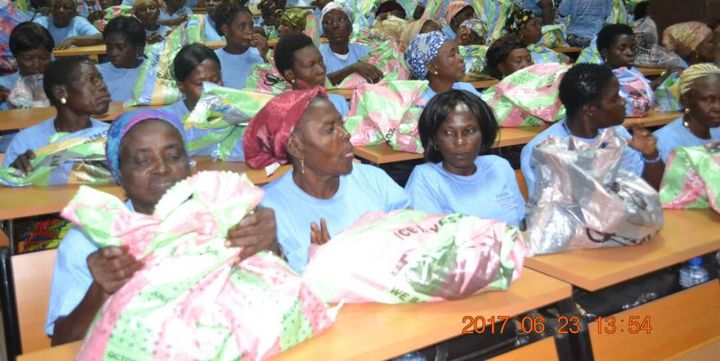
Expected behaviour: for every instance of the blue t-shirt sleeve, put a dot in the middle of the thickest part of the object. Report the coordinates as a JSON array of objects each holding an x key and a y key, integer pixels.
[
  {"x": 71, "y": 277},
  {"x": 512, "y": 185},
  {"x": 421, "y": 193},
  {"x": 632, "y": 160},
  {"x": 83, "y": 27},
  {"x": 526, "y": 167},
  {"x": 392, "y": 195},
  {"x": 341, "y": 105}
]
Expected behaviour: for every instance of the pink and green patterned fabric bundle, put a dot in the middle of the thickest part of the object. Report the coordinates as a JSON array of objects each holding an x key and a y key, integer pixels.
[
  {"x": 692, "y": 178},
  {"x": 387, "y": 112},
  {"x": 192, "y": 300},
  {"x": 220, "y": 118},
  {"x": 155, "y": 85},
  {"x": 385, "y": 55},
  {"x": 528, "y": 97},
  {"x": 553, "y": 36},
  {"x": 265, "y": 78},
  {"x": 409, "y": 256},
  {"x": 76, "y": 158},
  {"x": 636, "y": 90},
  {"x": 494, "y": 13},
  {"x": 111, "y": 13}
]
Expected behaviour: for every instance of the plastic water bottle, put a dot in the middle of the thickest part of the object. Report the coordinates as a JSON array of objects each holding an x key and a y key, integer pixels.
[{"x": 693, "y": 274}]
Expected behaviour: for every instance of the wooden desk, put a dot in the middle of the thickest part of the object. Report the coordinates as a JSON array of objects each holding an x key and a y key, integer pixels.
[
  {"x": 33, "y": 201},
  {"x": 484, "y": 84},
  {"x": 653, "y": 119},
  {"x": 375, "y": 331},
  {"x": 568, "y": 50},
  {"x": 382, "y": 153},
  {"x": 94, "y": 51},
  {"x": 651, "y": 72},
  {"x": 24, "y": 118},
  {"x": 687, "y": 234}
]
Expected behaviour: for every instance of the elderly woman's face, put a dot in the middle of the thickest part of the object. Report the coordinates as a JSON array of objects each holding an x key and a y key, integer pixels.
[
  {"x": 63, "y": 11},
  {"x": 531, "y": 32},
  {"x": 208, "y": 70},
  {"x": 324, "y": 143},
  {"x": 703, "y": 101},
  {"x": 147, "y": 13},
  {"x": 87, "y": 92},
  {"x": 152, "y": 159},
  {"x": 516, "y": 60},
  {"x": 448, "y": 64},
  {"x": 459, "y": 139},
  {"x": 337, "y": 26},
  {"x": 308, "y": 66}
]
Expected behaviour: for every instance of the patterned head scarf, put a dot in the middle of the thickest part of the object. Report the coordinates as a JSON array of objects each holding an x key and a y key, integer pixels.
[
  {"x": 517, "y": 19},
  {"x": 422, "y": 51},
  {"x": 477, "y": 26},
  {"x": 693, "y": 73},
  {"x": 336, "y": 6},
  {"x": 267, "y": 135},
  {"x": 684, "y": 38},
  {"x": 295, "y": 18},
  {"x": 454, "y": 8},
  {"x": 122, "y": 125}
]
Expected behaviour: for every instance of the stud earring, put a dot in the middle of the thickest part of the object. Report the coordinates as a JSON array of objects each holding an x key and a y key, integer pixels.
[
  {"x": 302, "y": 166},
  {"x": 63, "y": 100},
  {"x": 687, "y": 110}
]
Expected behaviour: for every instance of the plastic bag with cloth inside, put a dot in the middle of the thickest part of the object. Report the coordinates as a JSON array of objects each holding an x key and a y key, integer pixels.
[
  {"x": 553, "y": 36},
  {"x": 666, "y": 95},
  {"x": 191, "y": 300},
  {"x": 155, "y": 84},
  {"x": 387, "y": 112},
  {"x": 692, "y": 178},
  {"x": 216, "y": 126},
  {"x": 528, "y": 97},
  {"x": 409, "y": 256},
  {"x": 584, "y": 200},
  {"x": 74, "y": 158},
  {"x": 636, "y": 90}
]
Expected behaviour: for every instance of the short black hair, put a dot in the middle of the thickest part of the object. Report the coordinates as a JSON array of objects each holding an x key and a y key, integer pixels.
[
  {"x": 29, "y": 36},
  {"x": 582, "y": 84},
  {"x": 286, "y": 48},
  {"x": 189, "y": 57},
  {"x": 441, "y": 106},
  {"x": 128, "y": 26},
  {"x": 499, "y": 51},
  {"x": 610, "y": 32},
  {"x": 61, "y": 71},
  {"x": 641, "y": 10},
  {"x": 225, "y": 13}
]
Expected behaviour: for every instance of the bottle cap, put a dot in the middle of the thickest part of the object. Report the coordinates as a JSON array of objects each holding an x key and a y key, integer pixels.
[{"x": 695, "y": 261}]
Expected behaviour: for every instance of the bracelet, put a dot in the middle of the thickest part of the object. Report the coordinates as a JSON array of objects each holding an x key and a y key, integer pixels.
[{"x": 651, "y": 161}]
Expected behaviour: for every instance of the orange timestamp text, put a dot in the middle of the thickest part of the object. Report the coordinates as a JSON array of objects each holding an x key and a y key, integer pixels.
[{"x": 565, "y": 324}]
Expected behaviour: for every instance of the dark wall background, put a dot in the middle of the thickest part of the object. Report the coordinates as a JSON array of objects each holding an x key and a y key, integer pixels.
[{"x": 668, "y": 12}]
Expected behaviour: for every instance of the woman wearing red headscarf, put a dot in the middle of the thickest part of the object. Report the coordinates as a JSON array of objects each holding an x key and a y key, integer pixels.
[{"x": 326, "y": 192}]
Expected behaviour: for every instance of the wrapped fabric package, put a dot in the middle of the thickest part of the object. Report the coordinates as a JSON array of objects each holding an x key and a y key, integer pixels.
[
  {"x": 191, "y": 301},
  {"x": 553, "y": 36},
  {"x": 155, "y": 85},
  {"x": 618, "y": 13},
  {"x": 474, "y": 56},
  {"x": 409, "y": 256},
  {"x": 528, "y": 97},
  {"x": 387, "y": 112},
  {"x": 494, "y": 13},
  {"x": 590, "y": 55},
  {"x": 692, "y": 178},
  {"x": 219, "y": 120},
  {"x": 649, "y": 53},
  {"x": 76, "y": 158},
  {"x": 542, "y": 55},
  {"x": 636, "y": 91},
  {"x": 584, "y": 200},
  {"x": 111, "y": 13},
  {"x": 385, "y": 55},
  {"x": 666, "y": 95},
  {"x": 265, "y": 78}
]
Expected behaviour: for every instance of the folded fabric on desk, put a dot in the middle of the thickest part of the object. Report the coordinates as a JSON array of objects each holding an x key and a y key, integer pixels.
[
  {"x": 553, "y": 36},
  {"x": 387, "y": 112},
  {"x": 584, "y": 200},
  {"x": 528, "y": 97},
  {"x": 219, "y": 119},
  {"x": 75, "y": 158},
  {"x": 667, "y": 98},
  {"x": 409, "y": 256},
  {"x": 692, "y": 178},
  {"x": 385, "y": 55},
  {"x": 191, "y": 301}
]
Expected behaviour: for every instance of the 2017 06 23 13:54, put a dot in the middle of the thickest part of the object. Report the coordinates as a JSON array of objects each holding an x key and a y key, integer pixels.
[{"x": 633, "y": 325}]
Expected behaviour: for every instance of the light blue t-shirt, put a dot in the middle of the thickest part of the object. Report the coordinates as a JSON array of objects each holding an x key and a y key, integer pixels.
[
  {"x": 365, "y": 189},
  {"x": 429, "y": 93},
  {"x": 341, "y": 105},
  {"x": 183, "y": 10},
  {"x": 35, "y": 137},
  {"x": 491, "y": 192},
  {"x": 237, "y": 67},
  {"x": 632, "y": 160},
  {"x": 211, "y": 33},
  {"x": 8, "y": 82},
  {"x": 79, "y": 26},
  {"x": 71, "y": 277},
  {"x": 674, "y": 134},
  {"x": 586, "y": 16},
  {"x": 119, "y": 81},
  {"x": 237, "y": 153},
  {"x": 448, "y": 32},
  {"x": 334, "y": 63}
]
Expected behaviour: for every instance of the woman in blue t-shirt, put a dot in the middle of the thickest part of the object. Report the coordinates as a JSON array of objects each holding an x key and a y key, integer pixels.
[
  {"x": 67, "y": 28},
  {"x": 325, "y": 192},
  {"x": 456, "y": 127},
  {"x": 124, "y": 39},
  {"x": 244, "y": 48}
]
